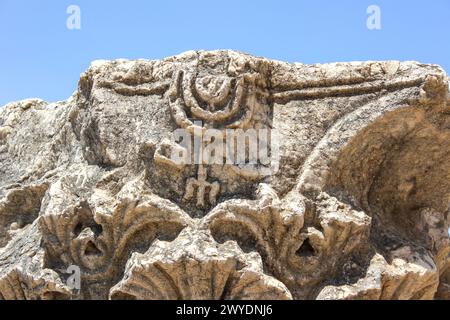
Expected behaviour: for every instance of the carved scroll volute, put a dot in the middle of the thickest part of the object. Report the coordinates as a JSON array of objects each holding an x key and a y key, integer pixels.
[{"x": 72, "y": 238}]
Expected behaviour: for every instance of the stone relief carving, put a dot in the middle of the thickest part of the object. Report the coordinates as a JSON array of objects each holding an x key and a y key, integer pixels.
[{"x": 358, "y": 208}]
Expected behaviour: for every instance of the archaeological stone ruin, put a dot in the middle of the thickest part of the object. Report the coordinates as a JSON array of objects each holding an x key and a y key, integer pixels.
[{"x": 352, "y": 200}]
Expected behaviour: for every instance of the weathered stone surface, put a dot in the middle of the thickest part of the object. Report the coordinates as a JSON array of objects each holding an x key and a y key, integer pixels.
[{"x": 357, "y": 210}]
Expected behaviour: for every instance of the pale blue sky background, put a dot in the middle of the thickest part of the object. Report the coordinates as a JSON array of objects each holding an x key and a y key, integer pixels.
[{"x": 40, "y": 57}]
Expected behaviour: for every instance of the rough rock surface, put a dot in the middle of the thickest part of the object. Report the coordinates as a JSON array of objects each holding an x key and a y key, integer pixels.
[{"x": 359, "y": 208}]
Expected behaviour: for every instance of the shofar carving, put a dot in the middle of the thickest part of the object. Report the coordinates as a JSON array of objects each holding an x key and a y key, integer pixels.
[{"x": 358, "y": 208}]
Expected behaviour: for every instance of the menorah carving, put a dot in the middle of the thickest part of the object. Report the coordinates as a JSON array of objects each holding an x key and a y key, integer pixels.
[{"x": 210, "y": 190}]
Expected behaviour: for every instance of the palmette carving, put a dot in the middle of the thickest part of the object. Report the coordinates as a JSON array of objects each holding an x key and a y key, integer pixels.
[
  {"x": 350, "y": 214},
  {"x": 100, "y": 242},
  {"x": 195, "y": 267},
  {"x": 293, "y": 249}
]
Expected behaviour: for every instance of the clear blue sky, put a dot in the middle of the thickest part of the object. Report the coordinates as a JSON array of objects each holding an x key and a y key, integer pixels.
[{"x": 40, "y": 57}]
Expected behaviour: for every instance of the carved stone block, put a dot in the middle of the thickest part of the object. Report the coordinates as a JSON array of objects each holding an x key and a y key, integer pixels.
[{"x": 93, "y": 204}]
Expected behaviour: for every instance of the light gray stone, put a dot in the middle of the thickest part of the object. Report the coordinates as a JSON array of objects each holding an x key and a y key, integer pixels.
[{"x": 357, "y": 210}]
